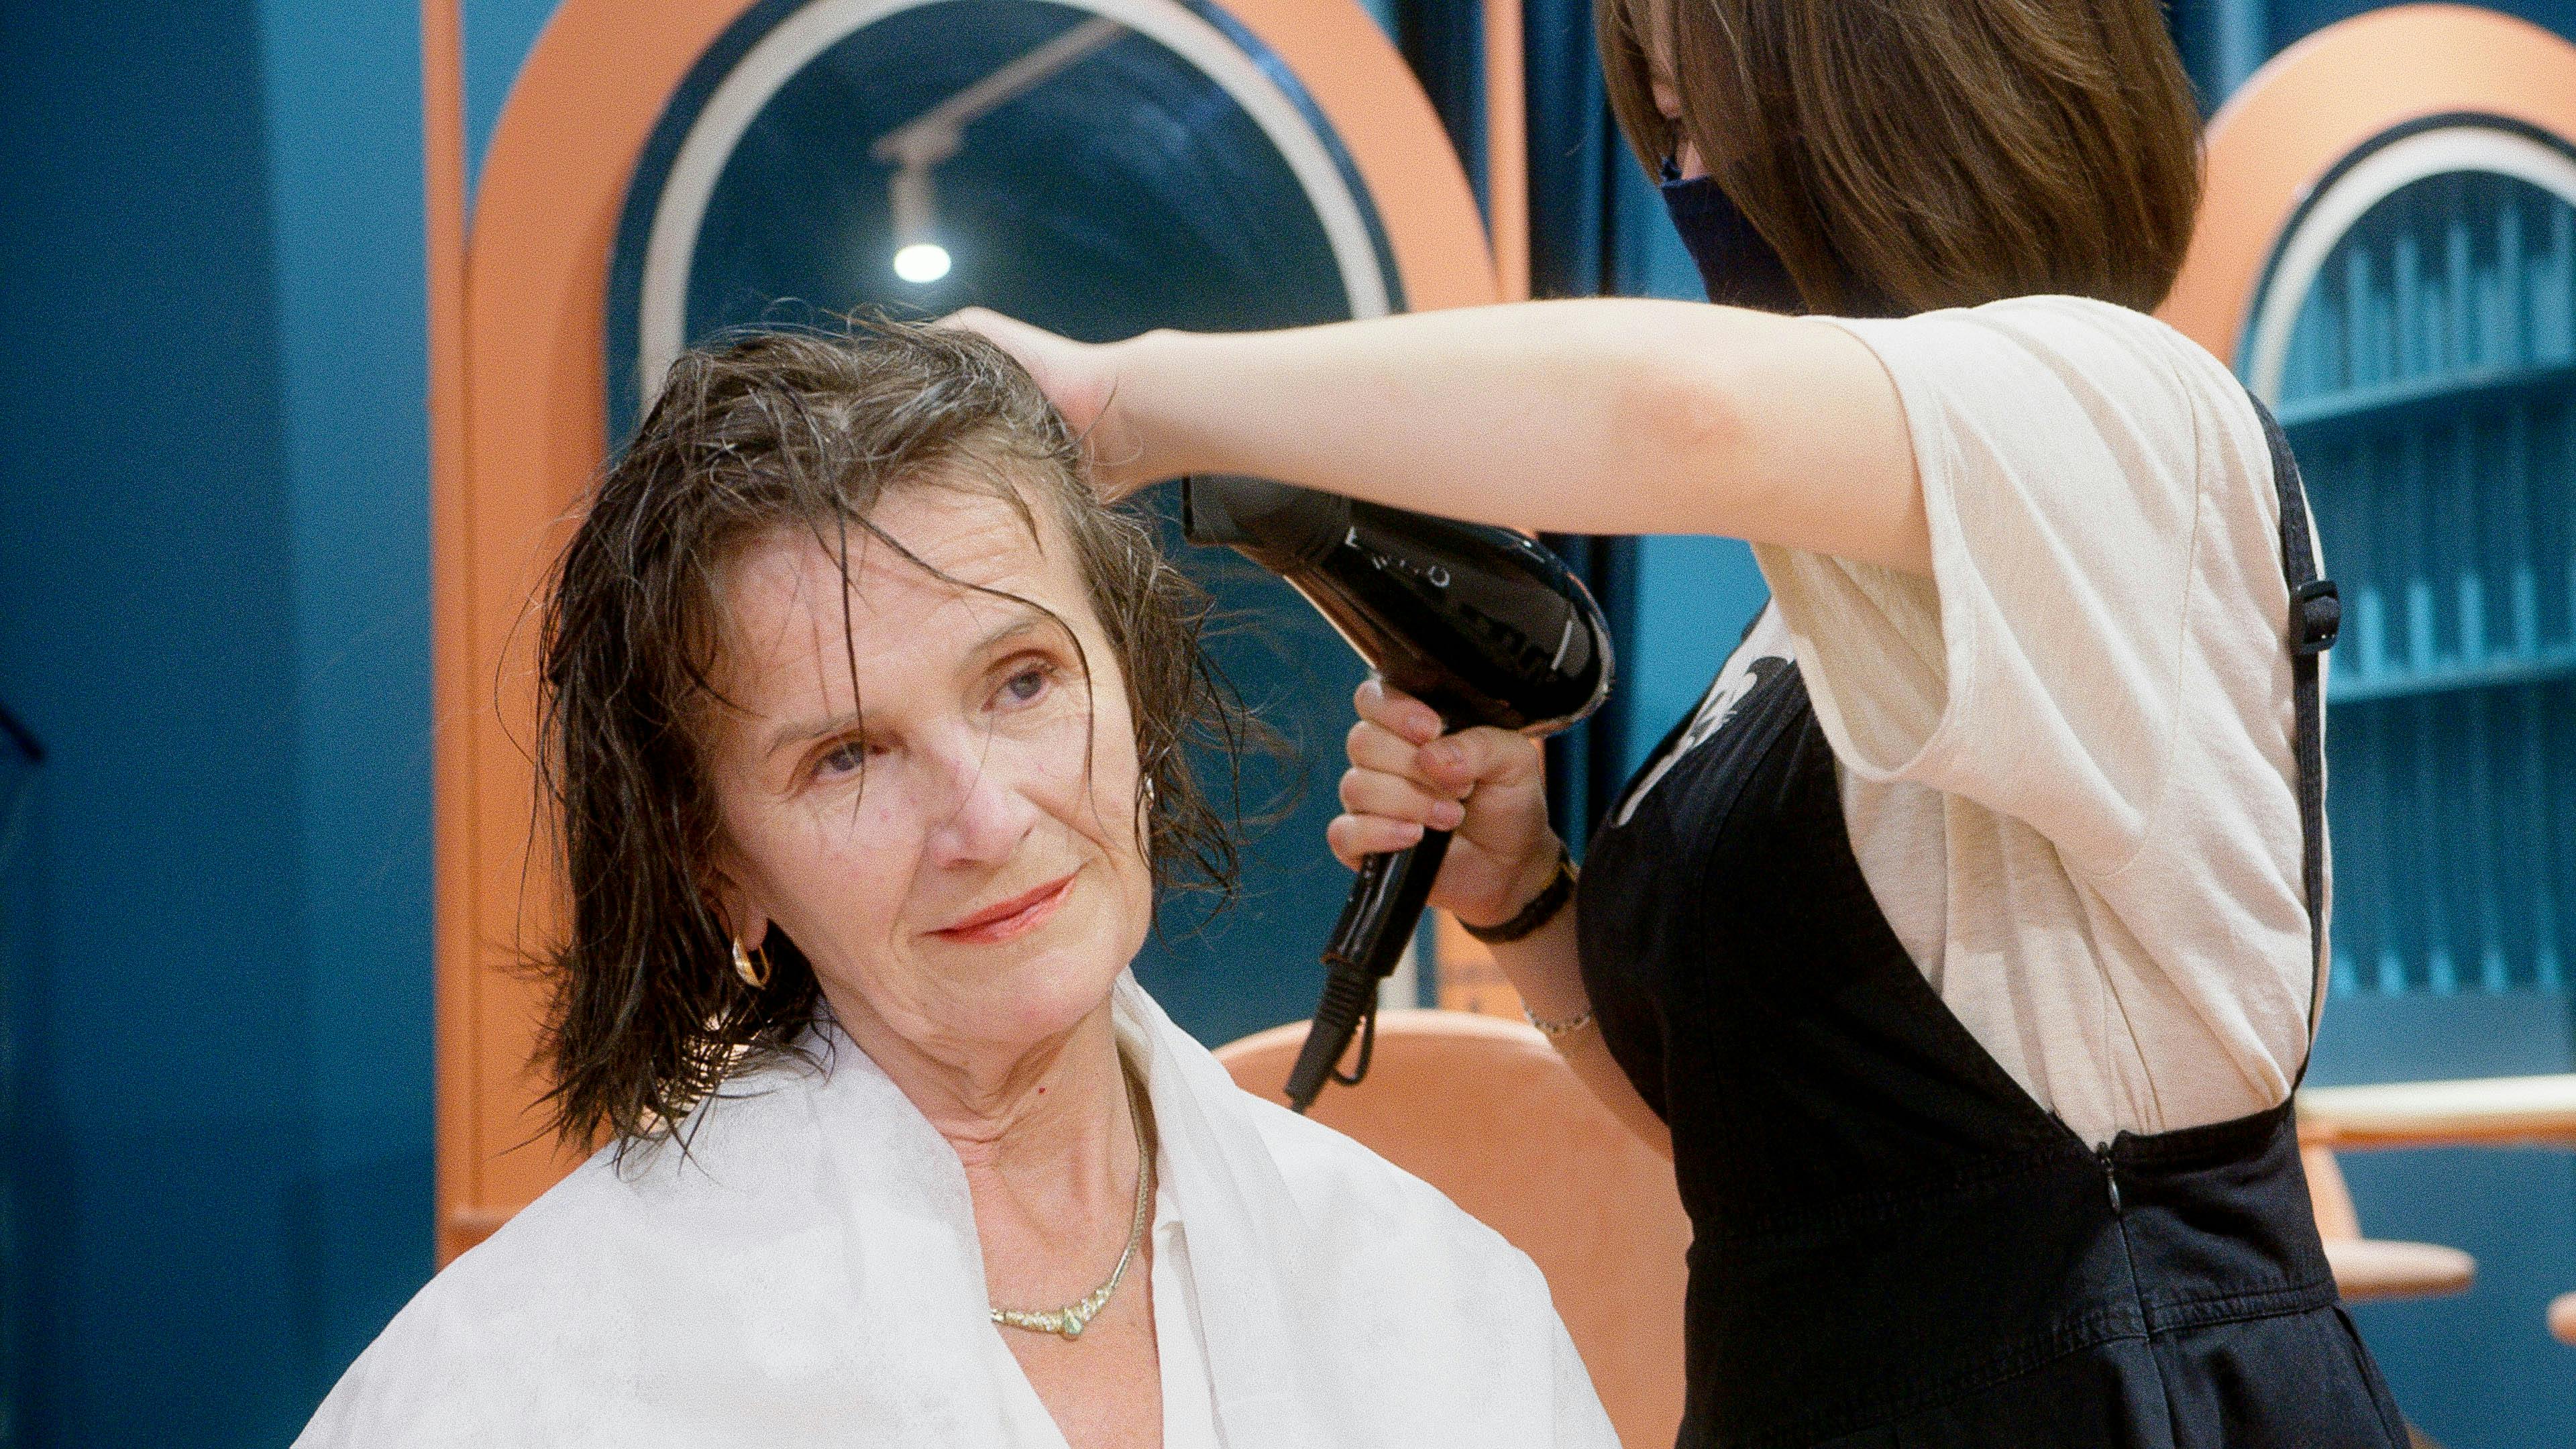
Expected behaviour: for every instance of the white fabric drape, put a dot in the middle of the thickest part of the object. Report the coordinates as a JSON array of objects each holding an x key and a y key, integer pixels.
[{"x": 809, "y": 1273}]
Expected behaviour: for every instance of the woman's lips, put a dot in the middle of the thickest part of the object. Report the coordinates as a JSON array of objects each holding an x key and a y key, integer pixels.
[{"x": 1014, "y": 917}]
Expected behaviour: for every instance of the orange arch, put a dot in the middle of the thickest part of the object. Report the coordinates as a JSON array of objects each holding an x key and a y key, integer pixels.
[
  {"x": 518, "y": 312},
  {"x": 2317, "y": 101}
]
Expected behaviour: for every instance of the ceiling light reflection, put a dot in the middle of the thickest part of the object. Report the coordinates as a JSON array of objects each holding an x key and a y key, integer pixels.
[{"x": 921, "y": 262}]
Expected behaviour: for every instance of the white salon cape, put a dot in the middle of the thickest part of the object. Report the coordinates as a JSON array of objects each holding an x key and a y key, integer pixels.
[{"x": 810, "y": 1275}]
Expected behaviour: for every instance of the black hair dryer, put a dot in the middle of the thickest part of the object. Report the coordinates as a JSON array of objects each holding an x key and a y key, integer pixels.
[{"x": 1478, "y": 622}]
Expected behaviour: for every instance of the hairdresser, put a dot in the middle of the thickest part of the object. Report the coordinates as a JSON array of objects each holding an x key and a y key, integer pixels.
[{"x": 1965, "y": 938}]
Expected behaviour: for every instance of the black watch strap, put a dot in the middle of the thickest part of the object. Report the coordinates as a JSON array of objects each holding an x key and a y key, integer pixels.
[{"x": 1542, "y": 908}]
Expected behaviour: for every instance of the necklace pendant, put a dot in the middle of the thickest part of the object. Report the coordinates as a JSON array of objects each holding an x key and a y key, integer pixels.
[{"x": 1069, "y": 1321}]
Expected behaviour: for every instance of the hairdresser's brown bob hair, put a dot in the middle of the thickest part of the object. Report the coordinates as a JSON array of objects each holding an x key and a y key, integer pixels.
[
  {"x": 802, "y": 431},
  {"x": 1903, "y": 155}
]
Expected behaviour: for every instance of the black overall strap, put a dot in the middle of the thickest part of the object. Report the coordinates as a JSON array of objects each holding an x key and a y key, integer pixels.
[{"x": 2316, "y": 614}]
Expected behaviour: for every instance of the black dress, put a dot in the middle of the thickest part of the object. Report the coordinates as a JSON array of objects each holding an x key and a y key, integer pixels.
[{"x": 1893, "y": 1244}]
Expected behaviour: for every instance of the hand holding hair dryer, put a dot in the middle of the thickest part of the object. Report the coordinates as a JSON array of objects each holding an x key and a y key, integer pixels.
[{"x": 1480, "y": 623}]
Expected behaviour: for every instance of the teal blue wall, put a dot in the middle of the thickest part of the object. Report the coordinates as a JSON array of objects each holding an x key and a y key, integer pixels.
[{"x": 212, "y": 467}]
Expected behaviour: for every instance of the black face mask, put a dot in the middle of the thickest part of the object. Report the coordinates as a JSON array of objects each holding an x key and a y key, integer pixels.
[{"x": 1737, "y": 266}]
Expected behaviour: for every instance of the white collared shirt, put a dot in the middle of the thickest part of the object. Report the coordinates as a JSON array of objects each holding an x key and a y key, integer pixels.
[{"x": 1189, "y": 1402}]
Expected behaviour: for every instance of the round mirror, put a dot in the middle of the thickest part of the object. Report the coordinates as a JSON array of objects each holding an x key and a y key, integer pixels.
[{"x": 1099, "y": 168}]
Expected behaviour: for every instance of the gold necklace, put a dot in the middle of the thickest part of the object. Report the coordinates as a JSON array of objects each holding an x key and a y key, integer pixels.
[{"x": 1070, "y": 1320}]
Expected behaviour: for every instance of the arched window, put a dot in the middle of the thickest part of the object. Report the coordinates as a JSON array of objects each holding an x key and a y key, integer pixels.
[
  {"x": 2416, "y": 332},
  {"x": 1097, "y": 167}
]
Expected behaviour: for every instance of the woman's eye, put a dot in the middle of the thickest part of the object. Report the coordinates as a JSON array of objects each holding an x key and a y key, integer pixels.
[
  {"x": 841, "y": 760},
  {"x": 1026, "y": 685}
]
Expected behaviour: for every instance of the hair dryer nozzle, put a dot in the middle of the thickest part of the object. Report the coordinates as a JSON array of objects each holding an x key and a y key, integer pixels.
[{"x": 1279, "y": 527}]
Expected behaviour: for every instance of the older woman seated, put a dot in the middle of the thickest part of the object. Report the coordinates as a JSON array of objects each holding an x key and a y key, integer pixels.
[{"x": 866, "y": 723}]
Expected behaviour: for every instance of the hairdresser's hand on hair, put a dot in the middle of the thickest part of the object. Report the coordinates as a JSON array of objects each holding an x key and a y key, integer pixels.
[
  {"x": 1081, "y": 379},
  {"x": 1486, "y": 785}
]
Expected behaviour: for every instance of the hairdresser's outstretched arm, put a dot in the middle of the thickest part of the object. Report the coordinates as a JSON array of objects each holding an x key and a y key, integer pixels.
[{"x": 1607, "y": 415}]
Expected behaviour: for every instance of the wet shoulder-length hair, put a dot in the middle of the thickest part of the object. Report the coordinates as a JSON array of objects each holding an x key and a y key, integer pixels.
[
  {"x": 1903, "y": 155},
  {"x": 802, "y": 431}
]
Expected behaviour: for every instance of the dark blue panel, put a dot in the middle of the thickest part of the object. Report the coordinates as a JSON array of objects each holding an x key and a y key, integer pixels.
[
  {"x": 1444, "y": 43},
  {"x": 149, "y": 639},
  {"x": 210, "y": 459},
  {"x": 1570, "y": 217},
  {"x": 27, "y": 1286},
  {"x": 1571, "y": 143},
  {"x": 2286, "y": 22}
]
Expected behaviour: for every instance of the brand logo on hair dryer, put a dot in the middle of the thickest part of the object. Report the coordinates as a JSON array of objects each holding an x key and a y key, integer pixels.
[{"x": 1432, "y": 574}]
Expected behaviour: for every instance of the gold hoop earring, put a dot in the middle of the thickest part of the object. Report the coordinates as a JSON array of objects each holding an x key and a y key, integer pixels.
[{"x": 755, "y": 976}]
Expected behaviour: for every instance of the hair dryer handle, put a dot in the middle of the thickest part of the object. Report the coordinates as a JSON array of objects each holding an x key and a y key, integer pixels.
[{"x": 1385, "y": 905}]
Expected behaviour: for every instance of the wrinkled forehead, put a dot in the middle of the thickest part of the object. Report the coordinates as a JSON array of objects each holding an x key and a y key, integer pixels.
[{"x": 930, "y": 573}]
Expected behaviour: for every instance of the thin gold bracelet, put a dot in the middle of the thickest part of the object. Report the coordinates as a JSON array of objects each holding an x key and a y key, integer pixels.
[{"x": 1554, "y": 1029}]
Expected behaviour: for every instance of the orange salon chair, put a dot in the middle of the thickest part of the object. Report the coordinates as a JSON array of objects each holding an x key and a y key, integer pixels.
[
  {"x": 2392, "y": 1115},
  {"x": 2477, "y": 1112},
  {"x": 1485, "y": 1111},
  {"x": 2376, "y": 1268}
]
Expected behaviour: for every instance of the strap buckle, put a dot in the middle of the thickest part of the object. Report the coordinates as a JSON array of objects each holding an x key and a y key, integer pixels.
[{"x": 2316, "y": 617}]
